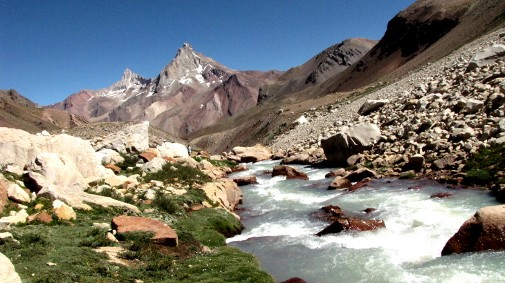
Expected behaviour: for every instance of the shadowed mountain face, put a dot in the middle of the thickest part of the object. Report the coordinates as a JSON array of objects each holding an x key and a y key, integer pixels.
[
  {"x": 423, "y": 32},
  {"x": 190, "y": 93},
  {"x": 19, "y": 112},
  {"x": 330, "y": 62}
]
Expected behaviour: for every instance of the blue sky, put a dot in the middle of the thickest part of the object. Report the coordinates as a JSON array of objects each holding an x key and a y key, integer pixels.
[{"x": 51, "y": 49}]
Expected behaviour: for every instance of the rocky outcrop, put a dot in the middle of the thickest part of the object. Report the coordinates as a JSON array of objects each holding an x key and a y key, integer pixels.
[
  {"x": 487, "y": 57},
  {"x": 252, "y": 154},
  {"x": 349, "y": 141},
  {"x": 19, "y": 148},
  {"x": 484, "y": 231},
  {"x": 163, "y": 234},
  {"x": 289, "y": 172},
  {"x": 133, "y": 138},
  {"x": 224, "y": 192},
  {"x": 7, "y": 271}
]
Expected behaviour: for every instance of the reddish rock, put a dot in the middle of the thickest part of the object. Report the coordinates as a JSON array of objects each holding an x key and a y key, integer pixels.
[
  {"x": 245, "y": 180},
  {"x": 163, "y": 234},
  {"x": 147, "y": 156},
  {"x": 114, "y": 168},
  {"x": 239, "y": 168},
  {"x": 289, "y": 172},
  {"x": 483, "y": 231},
  {"x": 43, "y": 217},
  {"x": 441, "y": 195},
  {"x": 352, "y": 223},
  {"x": 340, "y": 183},
  {"x": 359, "y": 185}
]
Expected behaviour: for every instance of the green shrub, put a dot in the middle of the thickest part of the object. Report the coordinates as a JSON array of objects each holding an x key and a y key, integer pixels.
[
  {"x": 166, "y": 203},
  {"x": 178, "y": 173},
  {"x": 478, "y": 177}
]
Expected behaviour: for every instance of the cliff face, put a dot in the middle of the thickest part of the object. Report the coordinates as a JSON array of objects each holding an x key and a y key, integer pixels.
[{"x": 191, "y": 92}]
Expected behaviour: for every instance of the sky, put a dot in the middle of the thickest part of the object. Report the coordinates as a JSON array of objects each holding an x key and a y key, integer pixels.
[{"x": 50, "y": 49}]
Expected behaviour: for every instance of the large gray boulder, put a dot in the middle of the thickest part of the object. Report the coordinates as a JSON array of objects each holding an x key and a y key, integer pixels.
[
  {"x": 19, "y": 148},
  {"x": 7, "y": 271},
  {"x": 57, "y": 177},
  {"x": 349, "y": 141},
  {"x": 487, "y": 56}
]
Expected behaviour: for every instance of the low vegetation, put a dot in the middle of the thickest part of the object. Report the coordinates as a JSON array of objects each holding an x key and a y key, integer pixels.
[
  {"x": 64, "y": 251},
  {"x": 484, "y": 167}
]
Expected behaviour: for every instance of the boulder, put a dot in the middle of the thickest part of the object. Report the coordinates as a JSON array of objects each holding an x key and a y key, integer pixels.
[
  {"x": 339, "y": 183},
  {"x": 43, "y": 217},
  {"x": 300, "y": 158},
  {"x": 163, "y": 234},
  {"x": 4, "y": 198},
  {"x": 224, "y": 192},
  {"x": 488, "y": 56},
  {"x": 14, "y": 218},
  {"x": 109, "y": 156},
  {"x": 114, "y": 168},
  {"x": 7, "y": 271},
  {"x": 252, "y": 154},
  {"x": 415, "y": 162},
  {"x": 155, "y": 165},
  {"x": 445, "y": 162},
  {"x": 372, "y": 105},
  {"x": 56, "y": 177},
  {"x": 289, "y": 172},
  {"x": 19, "y": 148},
  {"x": 334, "y": 173},
  {"x": 245, "y": 180},
  {"x": 133, "y": 138},
  {"x": 300, "y": 120},
  {"x": 294, "y": 280},
  {"x": 360, "y": 174},
  {"x": 174, "y": 150},
  {"x": 17, "y": 194},
  {"x": 63, "y": 211},
  {"x": 148, "y": 156},
  {"x": 349, "y": 141},
  {"x": 483, "y": 231},
  {"x": 352, "y": 223}
]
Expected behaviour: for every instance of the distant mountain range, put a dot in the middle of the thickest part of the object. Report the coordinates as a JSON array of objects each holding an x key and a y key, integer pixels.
[
  {"x": 216, "y": 107},
  {"x": 192, "y": 92}
]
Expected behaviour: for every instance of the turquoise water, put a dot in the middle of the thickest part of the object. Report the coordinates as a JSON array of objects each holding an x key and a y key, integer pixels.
[{"x": 280, "y": 231}]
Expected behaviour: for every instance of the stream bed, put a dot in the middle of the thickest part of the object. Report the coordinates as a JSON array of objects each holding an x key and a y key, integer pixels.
[{"x": 280, "y": 231}]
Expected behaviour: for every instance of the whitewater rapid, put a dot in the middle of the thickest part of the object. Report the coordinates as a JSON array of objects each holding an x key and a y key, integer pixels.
[{"x": 279, "y": 231}]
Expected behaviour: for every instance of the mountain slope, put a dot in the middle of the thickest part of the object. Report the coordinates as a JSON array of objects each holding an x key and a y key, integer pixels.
[
  {"x": 191, "y": 92},
  {"x": 19, "y": 112},
  {"x": 424, "y": 32},
  {"x": 330, "y": 62}
]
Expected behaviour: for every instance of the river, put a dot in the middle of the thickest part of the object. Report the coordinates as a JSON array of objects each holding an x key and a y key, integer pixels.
[{"x": 279, "y": 231}]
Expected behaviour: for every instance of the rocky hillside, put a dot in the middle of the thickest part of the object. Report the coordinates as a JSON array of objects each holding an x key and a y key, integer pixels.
[
  {"x": 445, "y": 26},
  {"x": 193, "y": 91},
  {"x": 19, "y": 112}
]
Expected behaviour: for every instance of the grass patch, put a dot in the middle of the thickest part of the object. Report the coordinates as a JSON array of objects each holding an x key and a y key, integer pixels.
[
  {"x": 481, "y": 167},
  {"x": 209, "y": 226}
]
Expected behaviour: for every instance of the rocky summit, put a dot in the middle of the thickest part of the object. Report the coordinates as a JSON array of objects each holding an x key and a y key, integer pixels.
[{"x": 191, "y": 92}]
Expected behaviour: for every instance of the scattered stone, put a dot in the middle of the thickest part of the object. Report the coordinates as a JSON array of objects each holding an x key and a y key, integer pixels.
[
  {"x": 163, "y": 234},
  {"x": 63, "y": 211},
  {"x": 43, "y": 217},
  {"x": 441, "y": 195},
  {"x": 371, "y": 106},
  {"x": 245, "y": 180},
  {"x": 340, "y": 183},
  {"x": 252, "y": 154},
  {"x": 360, "y": 174},
  {"x": 289, "y": 172}
]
